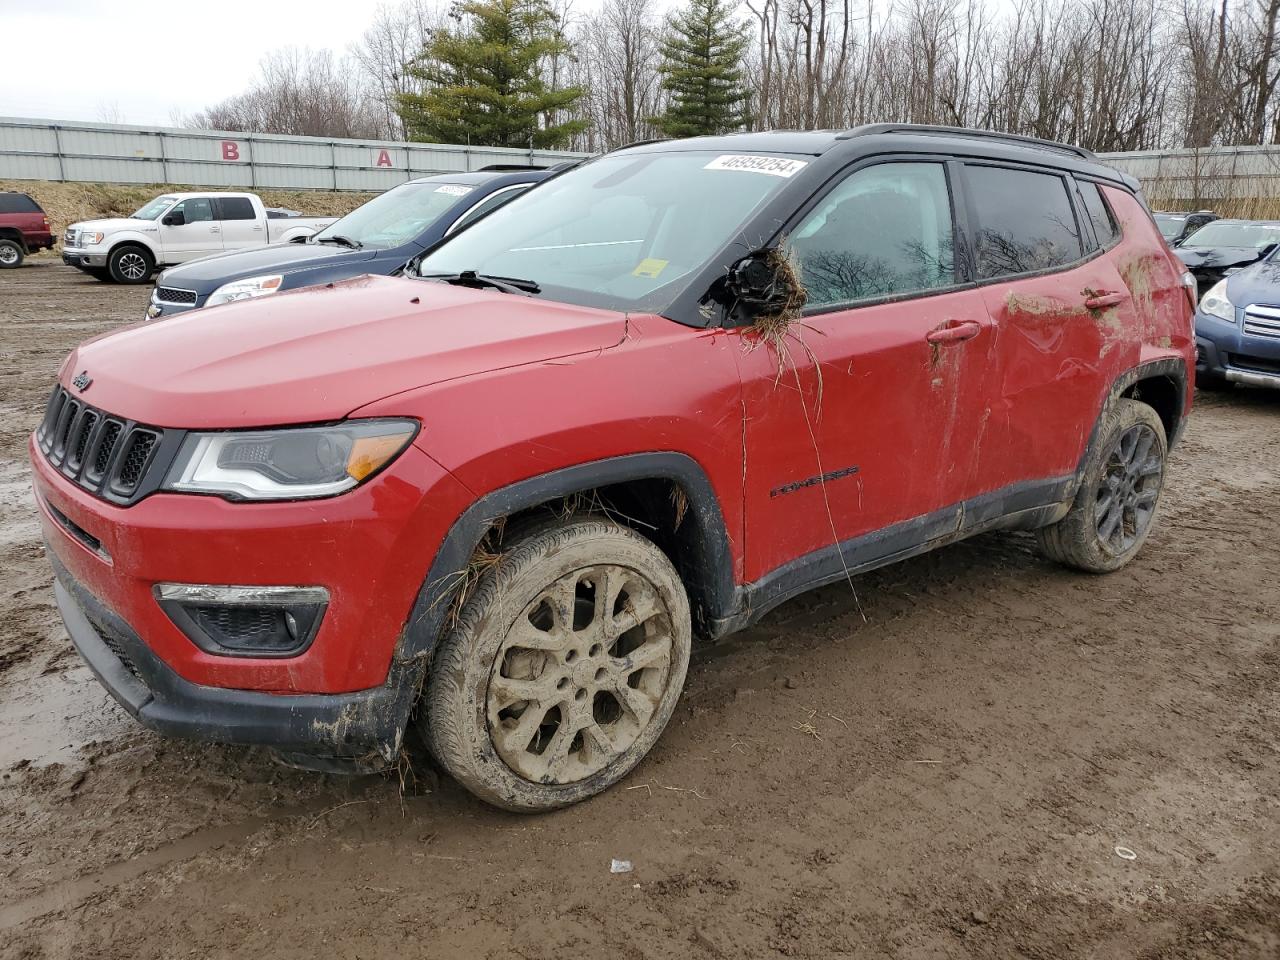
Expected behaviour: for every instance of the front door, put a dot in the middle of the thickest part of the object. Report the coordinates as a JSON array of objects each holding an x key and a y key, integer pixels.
[
  {"x": 199, "y": 235},
  {"x": 864, "y": 419}
]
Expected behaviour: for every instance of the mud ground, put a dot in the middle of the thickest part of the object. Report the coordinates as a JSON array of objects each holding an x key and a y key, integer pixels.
[{"x": 949, "y": 778}]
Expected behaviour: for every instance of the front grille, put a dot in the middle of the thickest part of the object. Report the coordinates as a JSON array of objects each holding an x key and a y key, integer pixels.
[
  {"x": 175, "y": 295},
  {"x": 116, "y": 459},
  {"x": 1260, "y": 321}
]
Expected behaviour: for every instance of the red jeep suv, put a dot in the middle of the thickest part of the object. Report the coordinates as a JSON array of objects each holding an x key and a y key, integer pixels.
[
  {"x": 638, "y": 407},
  {"x": 24, "y": 228}
]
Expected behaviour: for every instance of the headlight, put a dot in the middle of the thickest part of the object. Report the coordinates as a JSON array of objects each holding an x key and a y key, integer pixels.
[
  {"x": 1216, "y": 304},
  {"x": 88, "y": 239},
  {"x": 288, "y": 464},
  {"x": 244, "y": 289}
]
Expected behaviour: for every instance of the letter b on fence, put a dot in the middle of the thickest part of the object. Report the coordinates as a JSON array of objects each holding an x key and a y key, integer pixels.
[{"x": 230, "y": 150}]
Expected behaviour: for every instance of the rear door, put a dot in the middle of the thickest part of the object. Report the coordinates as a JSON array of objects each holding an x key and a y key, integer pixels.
[
  {"x": 199, "y": 235},
  {"x": 867, "y": 413},
  {"x": 241, "y": 226},
  {"x": 1064, "y": 322}
]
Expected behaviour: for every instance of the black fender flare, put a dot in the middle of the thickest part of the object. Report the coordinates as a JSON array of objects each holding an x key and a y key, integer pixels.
[
  {"x": 716, "y": 585},
  {"x": 1174, "y": 368}
]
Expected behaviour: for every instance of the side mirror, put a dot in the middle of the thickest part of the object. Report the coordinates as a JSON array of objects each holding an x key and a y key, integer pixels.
[
  {"x": 765, "y": 282},
  {"x": 175, "y": 219}
]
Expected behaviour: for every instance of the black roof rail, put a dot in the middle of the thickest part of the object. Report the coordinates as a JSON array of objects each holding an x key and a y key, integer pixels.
[
  {"x": 508, "y": 168},
  {"x": 872, "y": 129}
]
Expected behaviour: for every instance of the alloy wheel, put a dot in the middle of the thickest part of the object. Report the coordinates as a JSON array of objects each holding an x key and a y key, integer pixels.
[
  {"x": 1129, "y": 488},
  {"x": 132, "y": 265},
  {"x": 8, "y": 255},
  {"x": 579, "y": 675}
]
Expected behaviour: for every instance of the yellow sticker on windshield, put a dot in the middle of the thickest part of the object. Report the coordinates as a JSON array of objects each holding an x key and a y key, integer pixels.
[{"x": 650, "y": 268}]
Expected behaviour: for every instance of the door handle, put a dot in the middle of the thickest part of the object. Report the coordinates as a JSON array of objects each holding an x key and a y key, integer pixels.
[
  {"x": 215, "y": 229},
  {"x": 954, "y": 332},
  {"x": 1102, "y": 299}
]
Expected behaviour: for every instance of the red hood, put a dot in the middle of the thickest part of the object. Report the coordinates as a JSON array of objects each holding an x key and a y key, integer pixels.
[{"x": 320, "y": 352}]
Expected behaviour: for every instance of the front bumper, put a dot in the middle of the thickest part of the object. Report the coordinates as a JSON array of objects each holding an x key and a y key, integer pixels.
[
  {"x": 366, "y": 724},
  {"x": 73, "y": 257},
  {"x": 369, "y": 548},
  {"x": 1225, "y": 351}
]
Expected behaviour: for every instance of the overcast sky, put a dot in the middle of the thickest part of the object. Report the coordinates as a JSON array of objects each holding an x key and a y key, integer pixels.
[{"x": 66, "y": 59}]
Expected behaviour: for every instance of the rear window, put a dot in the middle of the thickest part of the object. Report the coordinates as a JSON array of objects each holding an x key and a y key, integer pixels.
[
  {"x": 1095, "y": 205},
  {"x": 236, "y": 208},
  {"x": 18, "y": 203},
  {"x": 1025, "y": 221}
]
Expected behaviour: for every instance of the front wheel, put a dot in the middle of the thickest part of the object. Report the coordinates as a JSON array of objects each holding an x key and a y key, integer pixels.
[
  {"x": 11, "y": 254},
  {"x": 130, "y": 264},
  {"x": 562, "y": 670},
  {"x": 1113, "y": 510}
]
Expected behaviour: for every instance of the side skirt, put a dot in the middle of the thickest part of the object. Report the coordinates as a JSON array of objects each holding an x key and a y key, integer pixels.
[{"x": 1021, "y": 506}]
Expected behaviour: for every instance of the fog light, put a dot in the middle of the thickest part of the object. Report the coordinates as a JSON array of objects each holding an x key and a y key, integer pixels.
[{"x": 245, "y": 621}]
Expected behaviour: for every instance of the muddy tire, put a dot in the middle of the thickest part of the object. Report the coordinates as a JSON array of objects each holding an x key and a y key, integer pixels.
[
  {"x": 1116, "y": 504},
  {"x": 130, "y": 264},
  {"x": 11, "y": 254},
  {"x": 564, "y": 667}
]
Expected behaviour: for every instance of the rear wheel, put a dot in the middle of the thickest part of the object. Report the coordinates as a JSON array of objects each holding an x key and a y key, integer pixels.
[
  {"x": 11, "y": 254},
  {"x": 130, "y": 264},
  {"x": 1114, "y": 508},
  {"x": 563, "y": 669}
]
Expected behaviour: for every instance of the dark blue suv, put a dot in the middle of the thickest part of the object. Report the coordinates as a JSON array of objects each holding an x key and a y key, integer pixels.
[
  {"x": 1238, "y": 328},
  {"x": 379, "y": 237}
]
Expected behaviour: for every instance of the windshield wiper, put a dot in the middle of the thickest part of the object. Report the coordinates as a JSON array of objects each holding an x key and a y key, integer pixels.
[
  {"x": 341, "y": 241},
  {"x": 469, "y": 278}
]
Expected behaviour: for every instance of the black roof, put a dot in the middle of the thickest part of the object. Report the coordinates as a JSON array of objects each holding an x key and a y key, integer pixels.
[
  {"x": 884, "y": 137},
  {"x": 477, "y": 177}
]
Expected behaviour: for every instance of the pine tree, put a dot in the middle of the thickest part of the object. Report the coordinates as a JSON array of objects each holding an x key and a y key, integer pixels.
[
  {"x": 702, "y": 70},
  {"x": 485, "y": 82}
]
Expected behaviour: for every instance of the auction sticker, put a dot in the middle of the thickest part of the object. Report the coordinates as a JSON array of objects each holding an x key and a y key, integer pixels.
[
  {"x": 454, "y": 189},
  {"x": 773, "y": 166}
]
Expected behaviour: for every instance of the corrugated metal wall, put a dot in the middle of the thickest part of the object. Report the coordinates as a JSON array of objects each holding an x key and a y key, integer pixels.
[
  {"x": 1215, "y": 173},
  {"x": 119, "y": 153}
]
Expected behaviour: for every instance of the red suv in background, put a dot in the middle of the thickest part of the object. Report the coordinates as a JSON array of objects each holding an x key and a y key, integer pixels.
[
  {"x": 23, "y": 229},
  {"x": 638, "y": 407}
]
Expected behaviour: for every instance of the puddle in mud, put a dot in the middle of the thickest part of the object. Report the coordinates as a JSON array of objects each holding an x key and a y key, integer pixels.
[{"x": 49, "y": 718}]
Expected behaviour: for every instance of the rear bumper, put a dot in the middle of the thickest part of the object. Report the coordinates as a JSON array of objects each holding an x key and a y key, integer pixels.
[{"x": 362, "y": 724}]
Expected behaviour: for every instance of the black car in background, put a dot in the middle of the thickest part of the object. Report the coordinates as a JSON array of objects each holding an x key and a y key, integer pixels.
[
  {"x": 378, "y": 237},
  {"x": 1226, "y": 245},
  {"x": 1176, "y": 227}
]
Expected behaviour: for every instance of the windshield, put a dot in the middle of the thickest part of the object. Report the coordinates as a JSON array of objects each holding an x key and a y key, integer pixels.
[
  {"x": 1170, "y": 227},
  {"x": 621, "y": 232},
  {"x": 1219, "y": 234},
  {"x": 397, "y": 216},
  {"x": 153, "y": 209}
]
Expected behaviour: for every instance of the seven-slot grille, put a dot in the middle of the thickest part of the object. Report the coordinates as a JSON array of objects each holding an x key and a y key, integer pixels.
[
  {"x": 1260, "y": 321},
  {"x": 107, "y": 455},
  {"x": 175, "y": 295}
]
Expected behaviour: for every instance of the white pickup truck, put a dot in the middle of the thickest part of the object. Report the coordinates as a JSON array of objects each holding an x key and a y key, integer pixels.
[{"x": 175, "y": 228}]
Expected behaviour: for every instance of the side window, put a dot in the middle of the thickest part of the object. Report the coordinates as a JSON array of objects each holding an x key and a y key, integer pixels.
[
  {"x": 1095, "y": 204},
  {"x": 885, "y": 230},
  {"x": 1025, "y": 221},
  {"x": 235, "y": 208},
  {"x": 195, "y": 210},
  {"x": 491, "y": 202}
]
